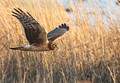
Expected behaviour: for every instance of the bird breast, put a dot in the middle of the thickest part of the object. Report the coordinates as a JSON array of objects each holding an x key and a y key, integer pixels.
[{"x": 42, "y": 47}]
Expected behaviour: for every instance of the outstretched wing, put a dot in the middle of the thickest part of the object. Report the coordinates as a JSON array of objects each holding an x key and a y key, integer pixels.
[
  {"x": 57, "y": 32},
  {"x": 33, "y": 30}
]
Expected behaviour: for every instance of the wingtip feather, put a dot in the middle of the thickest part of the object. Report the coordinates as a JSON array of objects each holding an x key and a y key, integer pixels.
[{"x": 64, "y": 26}]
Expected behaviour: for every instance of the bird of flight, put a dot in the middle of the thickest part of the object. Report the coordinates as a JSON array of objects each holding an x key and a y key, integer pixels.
[{"x": 37, "y": 37}]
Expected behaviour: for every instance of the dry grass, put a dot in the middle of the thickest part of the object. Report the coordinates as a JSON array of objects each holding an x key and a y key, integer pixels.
[{"x": 90, "y": 51}]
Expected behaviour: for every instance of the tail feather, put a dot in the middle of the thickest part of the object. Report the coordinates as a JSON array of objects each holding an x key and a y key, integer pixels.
[{"x": 17, "y": 48}]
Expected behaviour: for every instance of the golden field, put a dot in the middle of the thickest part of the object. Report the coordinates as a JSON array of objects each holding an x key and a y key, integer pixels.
[{"x": 86, "y": 53}]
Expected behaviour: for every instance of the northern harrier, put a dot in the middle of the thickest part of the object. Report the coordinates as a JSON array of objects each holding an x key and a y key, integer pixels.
[{"x": 38, "y": 38}]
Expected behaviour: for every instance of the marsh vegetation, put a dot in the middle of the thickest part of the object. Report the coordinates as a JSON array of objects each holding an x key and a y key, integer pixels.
[{"x": 90, "y": 51}]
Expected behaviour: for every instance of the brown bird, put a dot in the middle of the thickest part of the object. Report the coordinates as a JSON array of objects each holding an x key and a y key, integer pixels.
[{"x": 37, "y": 37}]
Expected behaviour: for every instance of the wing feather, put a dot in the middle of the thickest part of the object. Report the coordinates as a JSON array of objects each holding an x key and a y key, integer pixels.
[
  {"x": 57, "y": 32},
  {"x": 33, "y": 30}
]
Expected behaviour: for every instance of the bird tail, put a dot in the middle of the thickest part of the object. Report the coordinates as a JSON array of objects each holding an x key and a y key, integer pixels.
[{"x": 17, "y": 48}]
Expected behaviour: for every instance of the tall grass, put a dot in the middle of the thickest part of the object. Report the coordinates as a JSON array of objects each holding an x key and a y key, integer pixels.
[{"x": 89, "y": 51}]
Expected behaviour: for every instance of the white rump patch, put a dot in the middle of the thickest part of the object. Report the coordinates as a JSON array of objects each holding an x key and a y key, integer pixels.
[{"x": 27, "y": 46}]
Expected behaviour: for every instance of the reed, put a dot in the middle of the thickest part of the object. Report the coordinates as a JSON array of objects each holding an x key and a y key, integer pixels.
[{"x": 89, "y": 51}]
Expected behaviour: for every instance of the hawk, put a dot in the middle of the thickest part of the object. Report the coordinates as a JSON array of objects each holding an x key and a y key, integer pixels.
[{"x": 37, "y": 37}]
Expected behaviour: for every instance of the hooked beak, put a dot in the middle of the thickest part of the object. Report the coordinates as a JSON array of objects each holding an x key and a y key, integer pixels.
[{"x": 56, "y": 46}]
